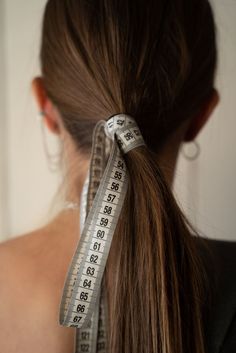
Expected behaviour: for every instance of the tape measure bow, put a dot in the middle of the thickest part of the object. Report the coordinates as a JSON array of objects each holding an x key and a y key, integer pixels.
[{"x": 107, "y": 186}]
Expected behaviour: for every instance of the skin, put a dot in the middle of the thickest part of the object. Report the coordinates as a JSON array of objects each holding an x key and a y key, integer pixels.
[{"x": 31, "y": 281}]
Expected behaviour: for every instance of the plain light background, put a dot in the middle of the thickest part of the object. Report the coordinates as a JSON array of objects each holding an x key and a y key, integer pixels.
[{"x": 205, "y": 188}]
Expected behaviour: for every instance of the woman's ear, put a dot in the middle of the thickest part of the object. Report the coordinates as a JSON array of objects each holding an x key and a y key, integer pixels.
[
  {"x": 45, "y": 105},
  {"x": 200, "y": 120}
]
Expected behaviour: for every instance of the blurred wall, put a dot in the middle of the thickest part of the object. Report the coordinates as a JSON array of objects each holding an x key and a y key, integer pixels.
[
  {"x": 205, "y": 188},
  {"x": 30, "y": 186},
  {"x": 3, "y": 129}
]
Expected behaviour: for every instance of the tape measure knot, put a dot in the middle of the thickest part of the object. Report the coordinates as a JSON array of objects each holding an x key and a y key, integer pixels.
[{"x": 126, "y": 131}]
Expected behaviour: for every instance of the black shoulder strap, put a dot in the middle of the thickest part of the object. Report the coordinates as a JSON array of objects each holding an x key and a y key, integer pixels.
[{"x": 220, "y": 260}]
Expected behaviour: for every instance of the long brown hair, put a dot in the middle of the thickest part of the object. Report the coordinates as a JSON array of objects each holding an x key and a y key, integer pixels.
[{"x": 154, "y": 60}]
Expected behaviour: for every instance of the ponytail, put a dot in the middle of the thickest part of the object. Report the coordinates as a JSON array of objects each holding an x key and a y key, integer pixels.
[
  {"x": 153, "y": 274},
  {"x": 157, "y": 62}
]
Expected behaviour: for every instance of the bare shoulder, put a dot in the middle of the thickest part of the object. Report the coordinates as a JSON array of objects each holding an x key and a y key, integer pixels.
[
  {"x": 17, "y": 264},
  {"x": 27, "y": 262},
  {"x": 32, "y": 272}
]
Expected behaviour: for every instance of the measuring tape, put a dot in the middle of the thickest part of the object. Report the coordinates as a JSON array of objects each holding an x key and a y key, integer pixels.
[{"x": 83, "y": 304}]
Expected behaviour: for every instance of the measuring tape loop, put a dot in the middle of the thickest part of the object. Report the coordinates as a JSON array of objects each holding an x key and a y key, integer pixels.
[
  {"x": 83, "y": 303},
  {"x": 126, "y": 130}
]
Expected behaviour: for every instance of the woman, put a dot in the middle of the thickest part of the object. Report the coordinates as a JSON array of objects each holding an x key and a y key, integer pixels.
[{"x": 154, "y": 61}]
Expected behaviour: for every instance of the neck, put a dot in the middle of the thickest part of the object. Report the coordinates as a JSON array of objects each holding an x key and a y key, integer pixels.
[{"x": 67, "y": 219}]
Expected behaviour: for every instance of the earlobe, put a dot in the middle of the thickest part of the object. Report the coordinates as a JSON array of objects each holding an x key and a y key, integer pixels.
[
  {"x": 201, "y": 119},
  {"x": 52, "y": 125}
]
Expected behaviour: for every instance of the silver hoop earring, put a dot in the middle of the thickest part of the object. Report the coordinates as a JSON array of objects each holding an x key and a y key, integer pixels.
[
  {"x": 53, "y": 159},
  {"x": 194, "y": 151}
]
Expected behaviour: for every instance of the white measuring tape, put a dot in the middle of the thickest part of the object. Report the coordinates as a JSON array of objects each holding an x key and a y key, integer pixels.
[{"x": 83, "y": 304}]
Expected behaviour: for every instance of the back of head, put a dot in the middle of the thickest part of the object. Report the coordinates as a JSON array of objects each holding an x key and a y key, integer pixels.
[{"x": 154, "y": 60}]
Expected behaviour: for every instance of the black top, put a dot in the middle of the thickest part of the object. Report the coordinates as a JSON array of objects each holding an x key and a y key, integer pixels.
[{"x": 220, "y": 313}]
